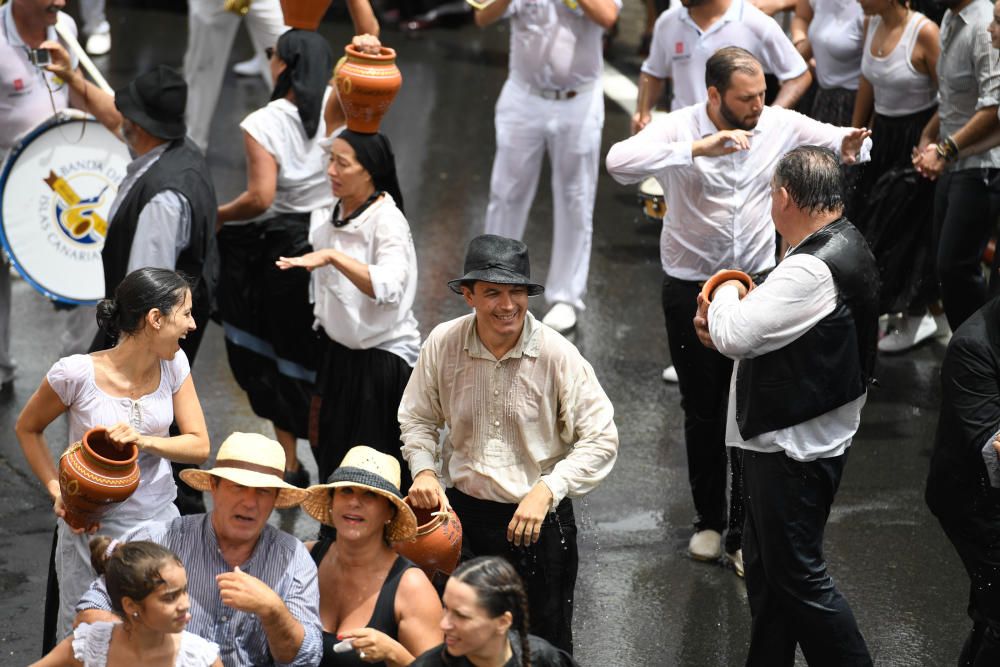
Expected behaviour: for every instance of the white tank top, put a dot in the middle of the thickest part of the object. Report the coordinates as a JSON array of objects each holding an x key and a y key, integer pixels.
[
  {"x": 836, "y": 34},
  {"x": 899, "y": 88}
]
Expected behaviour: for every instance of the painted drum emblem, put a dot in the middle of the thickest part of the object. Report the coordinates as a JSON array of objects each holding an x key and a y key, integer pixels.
[{"x": 56, "y": 191}]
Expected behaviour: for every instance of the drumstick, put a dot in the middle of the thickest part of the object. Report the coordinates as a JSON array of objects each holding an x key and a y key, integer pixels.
[{"x": 82, "y": 56}]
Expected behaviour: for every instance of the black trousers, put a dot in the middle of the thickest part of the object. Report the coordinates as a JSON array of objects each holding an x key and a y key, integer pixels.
[
  {"x": 966, "y": 205},
  {"x": 548, "y": 567},
  {"x": 703, "y": 376},
  {"x": 359, "y": 393},
  {"x": 792, "y": 598},
  {"x": 976, "y": 537}
]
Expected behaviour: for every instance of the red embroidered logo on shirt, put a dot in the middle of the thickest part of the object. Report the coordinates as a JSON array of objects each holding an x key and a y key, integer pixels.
[
  {"x": 18, "y": 84},
  {"x": 679, "y": 47}
]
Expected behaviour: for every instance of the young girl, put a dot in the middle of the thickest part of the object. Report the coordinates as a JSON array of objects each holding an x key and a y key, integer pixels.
[
  {"x": 485, "y": 622},
  {"x": 148, "y": 589}
]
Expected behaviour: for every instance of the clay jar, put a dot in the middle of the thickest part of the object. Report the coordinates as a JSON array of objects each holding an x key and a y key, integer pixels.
[
  {"x": 438, "y": 544},
  {"x": 94, "y": 476},
  {"x": 304, "y": 14},
  {"x": 722, "y": 276},
  {"x": 367, "y": 84}
]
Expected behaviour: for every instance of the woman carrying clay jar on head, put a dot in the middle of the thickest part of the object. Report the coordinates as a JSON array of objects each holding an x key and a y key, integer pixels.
[
  {"x": 364, "y": 283},
  {"x": 135, "y": 389}
]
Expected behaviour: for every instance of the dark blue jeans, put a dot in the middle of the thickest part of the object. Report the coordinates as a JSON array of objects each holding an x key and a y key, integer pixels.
[
  {"x": 966, "y": 205},
  {"x": 792, "y": 598}
]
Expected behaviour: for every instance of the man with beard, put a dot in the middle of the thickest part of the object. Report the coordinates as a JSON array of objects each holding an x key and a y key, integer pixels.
[
  {"x": 714, "y": 161},
  {"x": 967, "y": 198},
  {"x": 685, "y": 37}
]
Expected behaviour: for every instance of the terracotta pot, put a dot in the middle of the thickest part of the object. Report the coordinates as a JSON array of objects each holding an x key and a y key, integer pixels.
[
  {"x": 438, "y": 544},
  {"x": 722, "y": 276},
  {"x": 367, "y": 84},
  {"x": 94, "y": 476},
  {"x": 304, "y": 14}
]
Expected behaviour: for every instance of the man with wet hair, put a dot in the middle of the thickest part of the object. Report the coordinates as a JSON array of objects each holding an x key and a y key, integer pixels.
[
  {"x": 804, "y": 343},
  {"x": 714, "y": 161}
]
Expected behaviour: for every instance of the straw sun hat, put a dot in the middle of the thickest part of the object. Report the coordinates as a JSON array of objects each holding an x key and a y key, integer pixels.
[
  {"x": 249, "y": 459},
  {"x": 369, "y": 469}
]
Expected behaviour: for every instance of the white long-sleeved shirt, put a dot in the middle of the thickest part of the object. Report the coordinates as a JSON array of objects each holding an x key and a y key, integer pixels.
[
  {"x": 719, "y": 214},
  {"x": 379, "y": 237},
  {"x": 538, "y": 413},
  {"x": 795, "y": 297}
]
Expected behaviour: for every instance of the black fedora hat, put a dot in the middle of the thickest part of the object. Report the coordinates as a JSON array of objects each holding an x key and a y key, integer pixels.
[
  {"x": 496, "y": 259},
  {"x": 155, "y": 101}
]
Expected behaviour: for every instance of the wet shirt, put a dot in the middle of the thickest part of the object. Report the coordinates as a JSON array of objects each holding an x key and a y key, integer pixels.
[
  {"x": 379, "y": 237},
  {"x": 538, "y": 413},
  {"x": 968, "y": 75},
  {"x": 796, "y": 296},
  {"x": 164, "y": 227},
  {"x": 680, "y": 48},
  {"x": 278, "y": 559},
  {"x": 24, "y": 88},
  {"x": 553, "y": 44},
  {"x": 720, "y": 207},
  {"x": 72, "y": 379},
  {"x": 837, "y": 35}
]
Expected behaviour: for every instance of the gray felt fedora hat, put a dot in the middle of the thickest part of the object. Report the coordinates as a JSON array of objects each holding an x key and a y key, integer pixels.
[{"x": 496, "y": 259}]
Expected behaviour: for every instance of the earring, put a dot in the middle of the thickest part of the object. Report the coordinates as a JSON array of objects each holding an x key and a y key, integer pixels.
[
  {"x": 135, "y": 614},
  {"x": 388, "y": 521}
]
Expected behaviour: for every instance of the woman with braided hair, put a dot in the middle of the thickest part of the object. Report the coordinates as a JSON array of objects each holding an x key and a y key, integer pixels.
[{"x": 485, "y": 622}]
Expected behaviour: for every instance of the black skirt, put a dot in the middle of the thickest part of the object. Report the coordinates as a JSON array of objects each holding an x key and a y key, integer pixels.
[
  {"x": 833, "y": 105},
  {"x": 271, "y": 345},
  {"x": 893, "y": 207},
  {"x": 358, "y": 394}
]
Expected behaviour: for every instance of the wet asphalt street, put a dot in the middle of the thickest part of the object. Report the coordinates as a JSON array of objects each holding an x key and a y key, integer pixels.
[{"x": 640, "y": 600}]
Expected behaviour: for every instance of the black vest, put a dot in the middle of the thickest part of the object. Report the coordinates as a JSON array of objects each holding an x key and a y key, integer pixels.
[
  {"x": 832, "y": 363},
  {"x": 181, "y": 168}
]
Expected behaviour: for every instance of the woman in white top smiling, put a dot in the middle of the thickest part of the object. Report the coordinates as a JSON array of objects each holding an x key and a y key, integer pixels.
[
  {"x": 364, "y": 271},
  {"x": 135, "y": 389}
]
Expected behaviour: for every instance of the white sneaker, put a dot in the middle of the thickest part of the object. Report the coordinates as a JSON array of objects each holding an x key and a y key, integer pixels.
[
  {"x": 736, "y": 562},
  {"x": 99, "y": 43},
  {"x": 705, "y": 545},
  {"x": 669, "y": 374},
  {"x": 250, "y": 67},
  {"x": 910, "y": 331},
  {"x": 561, "y": 317}
]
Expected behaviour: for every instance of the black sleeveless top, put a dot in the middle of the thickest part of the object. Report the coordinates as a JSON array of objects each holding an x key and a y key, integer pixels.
[{"x": 383, "y": 617}]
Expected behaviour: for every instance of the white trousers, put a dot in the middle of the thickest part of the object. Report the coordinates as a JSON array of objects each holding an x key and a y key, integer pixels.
[
  {"x": 527, "y": 126},
  {"x": 72, "y": 562},
  {"x": 211, "y": 31}
]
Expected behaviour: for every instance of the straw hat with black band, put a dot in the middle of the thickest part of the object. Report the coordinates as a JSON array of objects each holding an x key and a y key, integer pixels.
[
  {"x": 369, "y": 469},
  {"x": 249, "y": 459}
]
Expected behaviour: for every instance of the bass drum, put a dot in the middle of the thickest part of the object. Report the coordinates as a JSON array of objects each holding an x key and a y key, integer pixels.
[
  {"x": 654, "y": 205},
  {"x": 56, "y": 190}
]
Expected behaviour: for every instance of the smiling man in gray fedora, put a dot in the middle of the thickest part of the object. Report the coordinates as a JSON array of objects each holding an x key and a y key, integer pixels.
[{"x": 529, "y": 427}]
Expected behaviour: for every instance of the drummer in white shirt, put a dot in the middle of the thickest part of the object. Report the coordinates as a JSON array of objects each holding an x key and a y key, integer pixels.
[
  {"x": 28, "y": 96},
  {"x": 714, "y": 161}
]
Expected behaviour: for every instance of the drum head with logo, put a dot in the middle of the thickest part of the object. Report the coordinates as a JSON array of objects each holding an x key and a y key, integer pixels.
[{"x": 56, "y": 191}]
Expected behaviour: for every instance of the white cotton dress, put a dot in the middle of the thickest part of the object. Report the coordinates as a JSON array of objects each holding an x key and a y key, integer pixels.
[
  {"x": 72, "y": 379},
  {"x": 92, "y": 640}
]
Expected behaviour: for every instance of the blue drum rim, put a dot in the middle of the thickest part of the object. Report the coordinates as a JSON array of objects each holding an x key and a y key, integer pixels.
[{"x": 52, "y": 121}]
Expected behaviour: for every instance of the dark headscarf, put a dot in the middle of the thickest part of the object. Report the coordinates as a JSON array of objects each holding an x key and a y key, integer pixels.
[
  {"x": 308, "y": 67},
  {"x": 375, "y": 154}
]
